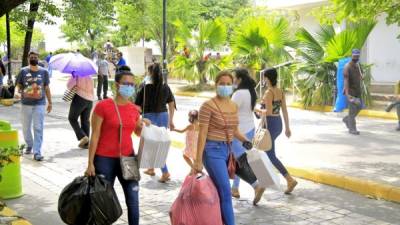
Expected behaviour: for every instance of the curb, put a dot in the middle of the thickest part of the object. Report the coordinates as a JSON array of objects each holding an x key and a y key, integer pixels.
[
  {"x": 11, "y": 217},
  {"x": 191, "y": 94},
  {"x": 368, "y": 188},
  {"x": 365, "y": 187},
  {"x": 297, "y": 105},
  {"x": 364, "y": 112}
]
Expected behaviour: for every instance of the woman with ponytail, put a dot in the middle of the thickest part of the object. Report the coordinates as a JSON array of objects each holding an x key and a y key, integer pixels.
[
  {"x": 245, "y": 97},
  {"x": 153, "y": 98}
]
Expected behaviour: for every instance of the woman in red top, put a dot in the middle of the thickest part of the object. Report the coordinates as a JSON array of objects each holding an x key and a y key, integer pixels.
[{"x": 104, "y": 143}]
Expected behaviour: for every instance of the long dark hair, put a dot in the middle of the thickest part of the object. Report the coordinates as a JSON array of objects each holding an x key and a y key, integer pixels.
[
  {"x": 158, "y": 83},
  {"x": 246, "y": 82}
]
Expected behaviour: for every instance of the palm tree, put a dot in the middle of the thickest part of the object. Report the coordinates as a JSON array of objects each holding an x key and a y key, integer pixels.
[
  {"x": 259, "y": 42},
  {"x": 193, "y": 65},
  {"x": 315, "y": 76},
  {"x": 318, "y": 53}
]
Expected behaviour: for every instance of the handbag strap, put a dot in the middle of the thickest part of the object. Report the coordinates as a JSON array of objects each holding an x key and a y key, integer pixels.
[
  {"x": 226, "y": 124},
  {"x": 262, "y": 123},
  {"x": 144, "y": 99},
  {"x": 120, "y": 128}
]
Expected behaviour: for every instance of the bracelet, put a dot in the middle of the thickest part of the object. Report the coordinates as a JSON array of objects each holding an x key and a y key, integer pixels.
[{"x": 247, "y": 145}]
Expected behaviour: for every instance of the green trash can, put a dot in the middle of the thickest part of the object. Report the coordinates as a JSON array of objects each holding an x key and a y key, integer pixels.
[{"x": 10, "y": 184}]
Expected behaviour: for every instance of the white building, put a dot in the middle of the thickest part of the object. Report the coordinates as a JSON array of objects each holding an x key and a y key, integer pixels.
[{"x": 380, "y": 49}]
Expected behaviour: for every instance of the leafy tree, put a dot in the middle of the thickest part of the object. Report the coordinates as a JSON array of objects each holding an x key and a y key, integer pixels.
[
  {"x": 212, "y": 9},
  {"x": 87, "y": 21},
  {"x": 8, "y": 5},
  {"x": 133, "y": 20},
  {"x": 143, "y": 19},
  {"x": 27, "y": 14},
  {"x": 18, "y": 38},
  {"x": 354, "y": 10}
]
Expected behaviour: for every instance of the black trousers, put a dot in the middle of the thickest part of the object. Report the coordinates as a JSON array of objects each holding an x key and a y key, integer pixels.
[
  {"x": 80, "y": 107},
  {"x": 102, "y": 82}
]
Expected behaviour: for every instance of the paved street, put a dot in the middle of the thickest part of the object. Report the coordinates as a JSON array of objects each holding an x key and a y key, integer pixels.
[{"x": 319, "y": 141}]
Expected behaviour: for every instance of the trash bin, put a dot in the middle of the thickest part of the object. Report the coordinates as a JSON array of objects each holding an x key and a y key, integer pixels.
[{"x": 10, "y": 184}]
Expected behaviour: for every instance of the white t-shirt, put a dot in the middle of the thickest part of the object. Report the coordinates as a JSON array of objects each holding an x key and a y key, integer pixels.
[{"x": 242, "y": 98}]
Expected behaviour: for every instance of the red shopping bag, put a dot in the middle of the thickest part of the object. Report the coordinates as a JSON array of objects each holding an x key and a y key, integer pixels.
[{"x": 197, "y": 203}]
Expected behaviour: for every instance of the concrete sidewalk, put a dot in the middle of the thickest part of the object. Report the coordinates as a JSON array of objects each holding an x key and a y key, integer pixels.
[
  {"x": 319, "y": 142},
  {"x": 310, "y": 203}
]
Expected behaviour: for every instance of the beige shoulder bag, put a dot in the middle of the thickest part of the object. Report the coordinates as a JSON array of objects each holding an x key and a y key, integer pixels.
[{"x": 262, "y": 139}]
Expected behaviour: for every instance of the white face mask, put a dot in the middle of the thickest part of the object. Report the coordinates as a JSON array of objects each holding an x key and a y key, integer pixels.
[{"x": 148, "y": 79}]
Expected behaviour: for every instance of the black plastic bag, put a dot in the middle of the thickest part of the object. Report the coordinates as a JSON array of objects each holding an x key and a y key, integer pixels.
[
  {"x": 7, "y": 92},
  {"x": 74, "y": 202},
  {"x": 244, "y": 171},
  {"x": 89, "y": 200},
  {"x": 104, "y": 203}
]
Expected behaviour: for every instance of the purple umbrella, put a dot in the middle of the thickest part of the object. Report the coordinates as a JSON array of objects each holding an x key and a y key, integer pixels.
[{"x": 73, "y": 62}]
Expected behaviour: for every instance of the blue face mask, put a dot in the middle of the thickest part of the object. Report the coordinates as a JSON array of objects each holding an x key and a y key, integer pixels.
[
  {"x": 126, "y": 91},
  {"x": 224, "y": 90}
]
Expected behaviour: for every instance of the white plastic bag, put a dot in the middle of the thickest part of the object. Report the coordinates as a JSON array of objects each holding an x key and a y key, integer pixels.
[
  {"x": 154, "y": 147},
  {"x": 263, "y": 169}
]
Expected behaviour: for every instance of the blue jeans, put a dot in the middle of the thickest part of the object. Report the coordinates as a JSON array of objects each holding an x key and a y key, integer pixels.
[
  {"x": 161, "y": 120},
  {"x": 215, "y": 159},
  {"x": 111, "y": 168},
  {"x": 238, "y": 150},
  {"x": 275, "y": 129},
  {"x": 35, "y": 114}
]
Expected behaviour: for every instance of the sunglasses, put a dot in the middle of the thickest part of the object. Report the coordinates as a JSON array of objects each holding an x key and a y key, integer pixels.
[{"x": 128, "y": 84}]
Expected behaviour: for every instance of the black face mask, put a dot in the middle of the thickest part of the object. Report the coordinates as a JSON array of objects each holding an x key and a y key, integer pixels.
[
  {"x": 355, "y": 60},
  {"x": 33, "y": 62}
]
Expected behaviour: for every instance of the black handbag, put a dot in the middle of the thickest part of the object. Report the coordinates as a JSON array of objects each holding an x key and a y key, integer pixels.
[
  {"x": 243, "y": 169},
  {"x": 7, "y": 92}
]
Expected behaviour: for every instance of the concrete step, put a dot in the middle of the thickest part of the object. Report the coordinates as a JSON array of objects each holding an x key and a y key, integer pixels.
[
  {"x": 383, "y": 88},
  {"x": 379, "y": 105},
  {"x": 383, "y": 97}
]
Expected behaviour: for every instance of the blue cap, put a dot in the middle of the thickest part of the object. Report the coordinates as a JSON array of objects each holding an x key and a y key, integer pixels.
[{"x": 355, "y": 52}]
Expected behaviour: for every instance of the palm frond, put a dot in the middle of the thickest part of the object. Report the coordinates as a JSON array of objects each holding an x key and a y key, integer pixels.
[
  {"x": 309, "y": 45},
  {"x": 354, "y": 37},
  {"x": 325, "y": 34}
]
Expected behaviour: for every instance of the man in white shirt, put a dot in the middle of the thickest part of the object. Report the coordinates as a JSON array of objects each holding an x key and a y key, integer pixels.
[{"x": 102, "y": 77}]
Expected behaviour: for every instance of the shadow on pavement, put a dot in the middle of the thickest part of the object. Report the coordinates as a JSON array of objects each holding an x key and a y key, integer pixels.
[{"x": 37, "y": 210}]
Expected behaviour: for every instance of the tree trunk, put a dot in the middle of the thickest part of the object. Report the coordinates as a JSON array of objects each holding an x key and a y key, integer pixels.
[
  {"x": 8, "y": 5},
  {"x": 201, "y": 67},
  {"x": 33, "y": 9},
  {"x": 92, "y": 37},
  {"x": 8, "y": 47}
]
